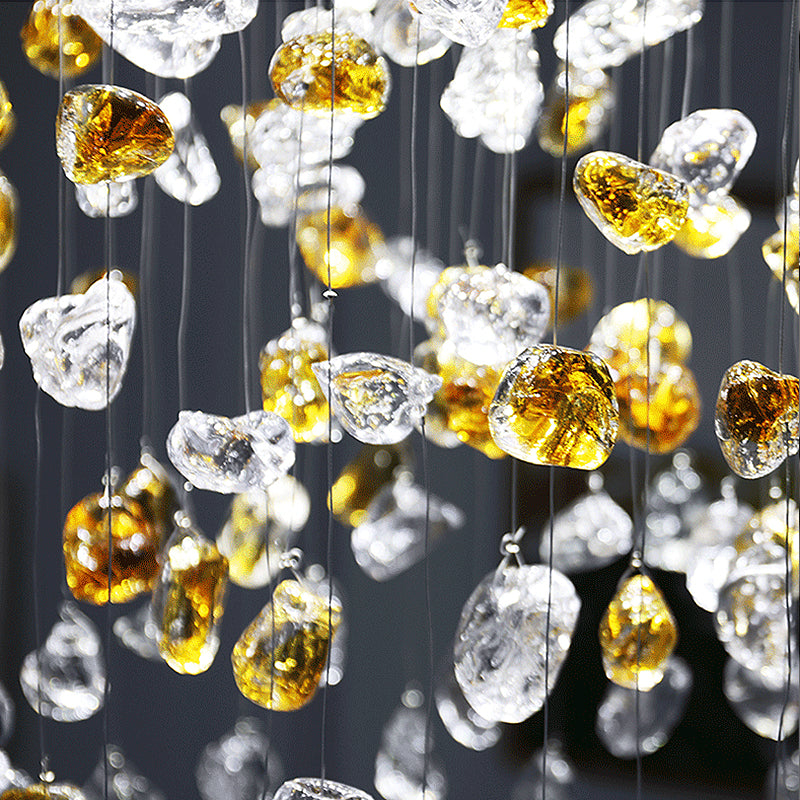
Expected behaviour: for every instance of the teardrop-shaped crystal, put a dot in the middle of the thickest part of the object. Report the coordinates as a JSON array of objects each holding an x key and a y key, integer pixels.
[
  {"x": 109, "y": 199},
  {"x": 712, "y": 229},
  {"x": 65, "y": 678},
  {"x": 139, "y": 633},
  {"x": 124, "y": 780},
  {"x": 318, "y": 789},
  {"x": 499, "y": 651},
  {"x": 468, "y": 22},
  {"x": 407, "y": 37},
  {"x": 463, "y": 723}
]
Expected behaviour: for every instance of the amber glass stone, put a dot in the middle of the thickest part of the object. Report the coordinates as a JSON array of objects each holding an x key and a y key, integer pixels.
[
  {"x": 526, "y": 15},
  {"x": 7, "y": 119},
  {"x": 556, "y": 406},
  {"x": 279, "y": 659},
  {"x": 356, "y": 244},
  {"x": 756, "y": 418},
  {"x": 107, "y": 133},
  {"x": 637, "y": 634},
  {"x": 80, "y": 45},
  {"x": 150, "y": 486},
  {"x": 134, "y": 549},
  {"x": 672, "y": 413},
  {"x": 44, "y": 791},
  {"x": 636, "y": 207},
  {"x": 80, "y": 283},
  {"x": 575, "y": 290},
  {"x": 301, "y": 70},
  {"x": 8, "y": 221},
  {"x": 288, "y": 384},
  {"x": 712, "y": 230},
  {"x": 773, "y": 249},
  {"x": 231, "y": 117}
]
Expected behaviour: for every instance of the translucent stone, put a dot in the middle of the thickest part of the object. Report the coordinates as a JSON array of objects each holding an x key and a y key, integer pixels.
[
  {"x": 637, "y": 634},
  {"x": 11, "y": 778},
  {"x": 93, "y": 199},
  {"x": 66, "y": 340},
  {"x": 6, "y": 715},
  {"x": 406, "y": 37},
  {"x": 68, "y": 668},
  {"x": 634, "y": 206},
  {"x": 135, "y": 546},
  {"x": 606, "y": 33},
  {"x": 660, "y": 711},
  {"x": 391, "y": 536},
  {"x": 526, "y": 15},
  {"x": 45, "y": 791},
  {"x": 333, "y": 670},
  {"x": 707, "y": 150},
  {"x": 462, "y": 722},
  {"x": 490, "y": 314},
  {"x": 468, "y": 22},
  {"x": 318, "y": 789},
  {"x": 139, "y": 633},
  {"x": 189, "y": 174},
  {"x": 189, "y": 599},
  {"x": 123, "y": 778},
  {"x": 788, "y": 778},
  {"x": 356, "y": 244},
  {"x": 660, "y": 411},
  {"x": 499, "y": 650},
  {"x": 236, "y": 767},
  {"x": 231, "y": 455},
  {"x": 556, "y": 406},
  {"x": 575, "y": 290},
  {"x": 712, "y": 229},
  {"x": 589, "y": 533},
  {"x": 7, "y": 118},
  {"x": 773, "y": 252},
  {"x": 358, "y": 483},
  {"x": 261, "y": 525},
  {"x": 279, "y": 658},
  {"x": 401, "y": 767},
  {"x": 49, "y": 21},
  {"x": 591, "y": 106},
  {"x": 759, "y": 704},
  {"x": 756, "y": 418},
  {"x": 151, "y": 487},
  {"x": 558, "y": 775},
  {"x": 107, "y": 133},
  {"x": 495, "y": 93},
  {"x": 377, "y": 399},
  {"x": 8, "y": 221},
  {"x": 237, "y": 123},
  {"x": 349, "y": 19}
]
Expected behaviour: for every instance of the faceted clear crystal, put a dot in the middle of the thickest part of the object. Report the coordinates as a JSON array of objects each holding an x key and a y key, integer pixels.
[
  {"x": 318, "y": 789},
  {"x": 231, "y": 455},
  {"x": 94, "y": 200},
  {"x": 124, "y": 780},
  {"x": 712, "y": 229},
  {"x": 139, "y": 633},
  {"x": 405, "y": 36},
  {"x": 499, "y": 651},
  {"x": 8, "y": 220},
  {"x": 463, "y": 723},
  {"x": 68, "y": 668},
  {"x": 395, "y": 273},
  {"x": 66, "y": 339},
  {"x": 468, "y": 22}
]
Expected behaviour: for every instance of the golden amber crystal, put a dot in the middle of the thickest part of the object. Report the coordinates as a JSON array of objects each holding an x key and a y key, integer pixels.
[
  {"x": 189, "y": 599},
  {"x": 44, "y": 791},
  {"x": 8, "y": 221},
  {"x": 556, "y": 406},
  {"x": 150, "y": 486},
  {"x": 672, "y": 413},
  {"x": 712, "y": 230},
  {"x": 526, "y": 15},
  {"x": 773, "y": 249},
  {"x": 288, "y": 384},
  {"x": 80, "y": 45},
  {"x": 356, "y": 244},
  {"x": 107, "y": 133},
  {"x": 637, "y": 634},
  {"x": 756, "y": 418},
  {"x": 575, "y": 290},
  {"x": 279, "y": 659},
  {"x": 231, "y": 117},
  {"x": 80, "y": 283},
  {"x": 7, "y": 119},
  {"x": 301, "y": 70},
  {"x": 134, "y": 549},
  {"x": 636, "y": 207}
]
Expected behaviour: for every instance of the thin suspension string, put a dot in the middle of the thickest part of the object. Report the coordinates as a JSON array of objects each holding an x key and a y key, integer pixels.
[
  {"x": 456, "y": 197},
  {"x": 248, "y": 201},
  {"x": 146, "y": 313},
  {"x": 477, "y": 185},
  {"x": 44, "y": 758},
  {"x": 614, "y": 143},
  {"x": 433, "y": 198},
  {"x": 688, "y": 73}
]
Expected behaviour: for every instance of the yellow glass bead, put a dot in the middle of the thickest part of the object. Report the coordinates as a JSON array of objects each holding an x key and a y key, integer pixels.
[
  {"x": 634, "y": 206},
  {"x": 189, "y": 600},
  {"x": 231, "y": 117},
  {"x": 556, "y": 406},
  {"x": 44, "y": 791},
  {"x": 637, "y": 635},
  {"x": 134, "y": 549},
  {"x": 80, "y": 45},
  {"x": 288, "y": 384},
  {"x": 712, "y": 230},
  {"x": 374, "y": 467},
  {"x": 107, "y": 133},
  {"x": 80, "y": 283},
  {"x": 150, "y": 486},
  {"x": 356, "y": 245},
  {"x": 279, "y": 659},
  {"x": 525, "y": 15},
  {"x": 7, "y": 119},
  {"x": 772, "y": 250},
  {"x": 756, "y": 413},
  {"x": 8, "y": 221},
  {"x": 300, "y": 72},
  {"x": 673, "y": 412},
  {"x": 575, "y": 290}
]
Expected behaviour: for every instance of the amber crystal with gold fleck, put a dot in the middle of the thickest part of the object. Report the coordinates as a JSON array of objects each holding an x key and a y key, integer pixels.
[
  {"x": 773, "y": 249},
  {"x": 575, "y": 290},
  {"x": 556, "y": 406},
  {"x": 80, "y": 45},
  {"x": 356, "y": 244},
  {"x": 710, "y": 231},
  {"x": 636, "y": 207},
  {"x": 107, "y": 133},
  {"x": 637, "y": 634},
  {"x": 231, "y": 117},
  {"x": 7, "y": 119},
  {"x": 525, "y": 15},
  {"x": 44, "y": 791},
  {"x": 8, "y": 221},
  {"x": 150, "y": 486},
  {"x": 80, "y": 283},
  {"x": 756, "y": 418},
  {"x": 301, "y": 70},
  {"x": 673, "y": 411},
  {"x": 134, "y": 549},
  {"x": 279, "y": 659}
]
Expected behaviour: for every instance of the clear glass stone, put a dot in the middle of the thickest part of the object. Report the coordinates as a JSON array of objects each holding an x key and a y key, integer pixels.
[
  {"x": 318, "y": 789},
  {"x": 559, "y": 773},
  {"x": 93, "y": 198},
  {"x": 788, "y": 778},
  {"x": 468, "y": 22},
  {"x": 125, "y": 782},
  {"x": 397, "y": 30},
  {"x": 463, "y": 723},
  {"x": 139, "y": 633}
]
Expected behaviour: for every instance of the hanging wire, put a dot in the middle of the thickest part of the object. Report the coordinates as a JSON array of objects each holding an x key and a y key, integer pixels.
[{"x": 689, "y": 72}]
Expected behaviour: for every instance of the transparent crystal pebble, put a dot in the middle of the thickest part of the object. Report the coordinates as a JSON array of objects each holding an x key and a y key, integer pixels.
[
  {"x": 314, "y": 19},
  {"x": 463, "y": 723},
  {"x": 69, "y": 669},
  {"x": 65, "y": 338},
  {"x": 660, "y": 711},
  {"x": 10, "y": 777},
  {"x": 138, "y": 632},
  {"x": 376, "y": 398},
  {"x": 231, "y": 455},
  {"x": 235, "y": 766},
  {"x": 397, "y": 30},
  {"x": 6, "y": 715},
  {"x": 468, "y": 22},
  {"x": 499, "y": 650},
  {"x": 558, "y": 776},
  {"x": 317, "y": 789},
  {"x": 391, "y": 537},
  {"x": 124, "y": 780},
  {"x": 93, "y": 199},
  {"x": 788, "y": 778},
  {"x": 712, "y": 229}
]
